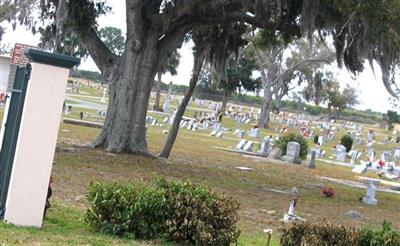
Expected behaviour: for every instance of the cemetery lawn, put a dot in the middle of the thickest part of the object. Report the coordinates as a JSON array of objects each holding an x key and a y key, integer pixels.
[{"x": 195, "y": 159}]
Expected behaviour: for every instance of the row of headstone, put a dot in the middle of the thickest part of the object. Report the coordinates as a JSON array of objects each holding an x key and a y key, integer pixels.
[
  {"x": 217, "y": 133},
  {"x": 247, "y": 146},
  {"x": 239, "y": 133}
]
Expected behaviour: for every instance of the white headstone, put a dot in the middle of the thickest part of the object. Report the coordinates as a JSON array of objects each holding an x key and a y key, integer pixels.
[
  {"x": 360, "y": 168},
  {"x": 167, "y": 100},
  {"x": 241, "y": 144},
  {"x": 248, "y": 146},
  {"x": 370, "y": 196}
]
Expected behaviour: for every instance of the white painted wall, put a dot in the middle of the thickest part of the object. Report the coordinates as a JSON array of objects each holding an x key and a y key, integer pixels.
[
  {"x": 36, "y": 145},
  {"x": 4, "y": 72}
]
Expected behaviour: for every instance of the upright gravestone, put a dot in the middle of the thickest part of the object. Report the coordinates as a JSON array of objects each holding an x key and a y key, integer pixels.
[
  {"x": 248, "y": 146},
  {"x": 33, "y": 159},
  {"x": 354, "y": 156},
  {"x": 311, "y": 162},
  {"x": 371, "y": 190},
  {"x": 264, "y": 150},
  {"x": 340, "y": 153},
  {"x": 167, "y": 100},
  {"x": 241, "y": 144},
  {"x": 293, "y": 153}
]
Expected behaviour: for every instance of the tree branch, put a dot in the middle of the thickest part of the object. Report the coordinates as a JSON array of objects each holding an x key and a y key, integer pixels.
[{"x": 101, "y": 55}]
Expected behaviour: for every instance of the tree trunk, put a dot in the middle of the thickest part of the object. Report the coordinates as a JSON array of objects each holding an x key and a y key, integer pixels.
[
  {"x": 224, "y": 101},
  {"x": 158, "y": 92},
  {"x": 263, "y": 122},
  {"x": 329, "y": 112},
  {"x": 198, "y": 63},
  {"x": 124, "y": 128}
]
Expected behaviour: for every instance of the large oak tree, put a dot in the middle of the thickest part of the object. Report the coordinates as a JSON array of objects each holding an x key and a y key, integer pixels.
[{"x": 360, "y": 29}]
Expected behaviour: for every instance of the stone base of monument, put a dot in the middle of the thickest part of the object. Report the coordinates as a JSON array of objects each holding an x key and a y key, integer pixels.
[
  {"x": 287, "y": 218},
  {"x": 311, "y": 165},
  {"x": 292, "y": 159},
  {"x": 370, "y": 201}
]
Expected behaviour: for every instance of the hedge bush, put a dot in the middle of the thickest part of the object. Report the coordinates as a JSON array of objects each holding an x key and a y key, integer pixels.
[
  {"x": 292, "y": 137},
  {"x": 174, "y": 210},
  {"x": 326, "y": 234},
  {"x": 347, "y": 142},
  {"x": 386, "y": 236}
]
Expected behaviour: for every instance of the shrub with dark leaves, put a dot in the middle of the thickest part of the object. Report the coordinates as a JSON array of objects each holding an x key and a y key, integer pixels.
[{"x": 174, "y": 210}]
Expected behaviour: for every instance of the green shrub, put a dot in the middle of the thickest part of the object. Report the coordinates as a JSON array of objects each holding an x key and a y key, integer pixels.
[
  {"x": 387, "y": 236},
  {"x": 292, "y": 137},
  {"x": 346, "y": 141},
  {"x": 318, "y": 234},
  {"x": 316, "y": 137},
  {"x": 333, "y": 235},
  {"x": 397, "y": 139},
  {"x": 174, "y": 210}
]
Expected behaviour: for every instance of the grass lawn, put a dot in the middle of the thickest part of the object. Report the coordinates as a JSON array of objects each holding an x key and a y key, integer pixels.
[{"x": 195, "y": 159}]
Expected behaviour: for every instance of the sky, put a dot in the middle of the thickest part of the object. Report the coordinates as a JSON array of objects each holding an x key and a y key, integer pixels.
[{"x": 372, "y": 93}]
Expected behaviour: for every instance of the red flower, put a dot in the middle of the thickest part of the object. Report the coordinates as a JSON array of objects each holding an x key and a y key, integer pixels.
[{"x": 328, "y": 192}]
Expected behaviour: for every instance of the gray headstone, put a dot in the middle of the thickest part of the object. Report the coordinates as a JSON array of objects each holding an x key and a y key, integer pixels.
[
  {"x": 248, "y": 146},
  {"x": 354, "y": 215},
  {"x": 276, "y": 153},
  {"x": 166, "y": 119},
  {"x": 241, "y": 144},
  {"x": 293, "y": 153},
  {"x": 264, "y": 150},
  {"x": 311, "y": 162}
]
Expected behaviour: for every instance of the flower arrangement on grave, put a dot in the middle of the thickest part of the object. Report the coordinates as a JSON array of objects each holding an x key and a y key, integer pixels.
[
  {"x": 328, "y": 192},
  {"x": 381, "y": 163}
]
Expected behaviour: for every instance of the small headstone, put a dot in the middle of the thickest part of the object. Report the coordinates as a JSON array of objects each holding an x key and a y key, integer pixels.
[
  {"x": 354, "y": 215},
  {"x": 219, "y": 134},
  {"x": 184, "y": 124},
  {"x": 213, "y": 133},
  {"x": 255, "y": 133},
  {"x": 370, "y": 196},
  {"x": 276, "y": 153},
  {"x": 340, "y": 153},
  {"x": 360, "y": 169},
  {"x": 354, "y": 156},
  {"x": 321, "y": 140},
  {"x": 166, "y": 119},
  {"x": 264, "y": 150},
  {"x": 290, "y": 215},
  {"x": 311, "y": 162},
  {"x": 241, "y": 144},
  {"x": 247, "y": 169},
  {"x": 248, "y": 146}
]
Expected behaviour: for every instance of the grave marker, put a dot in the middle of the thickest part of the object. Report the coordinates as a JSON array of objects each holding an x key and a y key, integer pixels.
[
  {"x": 248, "y": 146},
  {"x": 293, "y": 153},
  {"x": 311, "y": 162}
]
